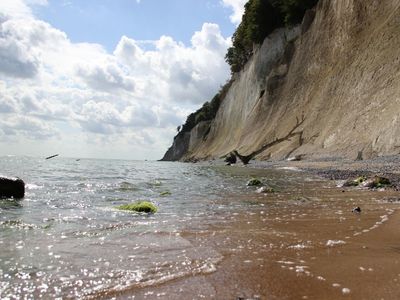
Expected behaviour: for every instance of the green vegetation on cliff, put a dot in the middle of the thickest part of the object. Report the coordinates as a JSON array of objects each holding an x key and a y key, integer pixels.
[
  {"x": 260, "y": 18},
  {"x": 206, "y": 112},
  {"x": 293, "y": 11}
]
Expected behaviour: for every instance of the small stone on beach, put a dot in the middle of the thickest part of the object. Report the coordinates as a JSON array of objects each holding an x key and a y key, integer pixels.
[
  {"x": 265, "y": 190},
  {"x": 345, "y": 291}
]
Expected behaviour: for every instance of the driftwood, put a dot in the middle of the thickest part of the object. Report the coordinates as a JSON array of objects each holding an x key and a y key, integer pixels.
[
  {"x": 246, "y": 158},
  {"x": 50, "y": 157}
]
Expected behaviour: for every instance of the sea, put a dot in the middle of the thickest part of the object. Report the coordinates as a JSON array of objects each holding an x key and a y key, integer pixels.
[{"x": 67, "y": 240}]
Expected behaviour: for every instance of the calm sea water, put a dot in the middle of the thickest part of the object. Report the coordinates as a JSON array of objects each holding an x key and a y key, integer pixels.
[{"x": 65, "y": 239}]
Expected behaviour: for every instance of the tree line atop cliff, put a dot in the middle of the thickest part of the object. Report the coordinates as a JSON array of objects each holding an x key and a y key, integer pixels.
[
  {"x": 260, "y": 18},
  {"x": 207, "y": 111}
]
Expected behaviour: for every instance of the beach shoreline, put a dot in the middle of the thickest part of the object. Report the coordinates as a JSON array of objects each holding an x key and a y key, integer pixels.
[
  {"x": 342, "y": 168},
  {"x": 306, "y": 248}
]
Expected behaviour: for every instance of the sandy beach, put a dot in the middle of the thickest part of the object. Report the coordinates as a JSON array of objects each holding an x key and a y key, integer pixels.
[{"x": 304, "y": 248}]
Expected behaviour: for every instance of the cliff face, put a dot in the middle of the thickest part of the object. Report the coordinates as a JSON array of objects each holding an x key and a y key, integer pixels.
[{"x": 340, "y": 70}]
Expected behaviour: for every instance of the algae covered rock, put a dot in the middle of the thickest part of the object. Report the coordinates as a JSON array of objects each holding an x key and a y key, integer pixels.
[
  {"x": 139, "y": 206},
  {"x": 372, "y": 183},
  {"x": 254, "y": 182},
  {"x": 376, "y": 182},
  {"x": 355, "y": 182}
]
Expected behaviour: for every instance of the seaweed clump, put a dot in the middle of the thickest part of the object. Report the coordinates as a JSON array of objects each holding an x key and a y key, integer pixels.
[
  {"x": 355, "y": 182},
  {"x": 375, "y": 182},
  {"x": 140, "y": 206}
]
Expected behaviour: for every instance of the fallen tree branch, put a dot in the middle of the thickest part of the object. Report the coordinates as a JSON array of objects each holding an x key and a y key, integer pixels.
[{"x": 246, "y": 158}]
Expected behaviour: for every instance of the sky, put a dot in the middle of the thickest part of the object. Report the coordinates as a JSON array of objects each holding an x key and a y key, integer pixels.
[{"x": 108, "y": 78}]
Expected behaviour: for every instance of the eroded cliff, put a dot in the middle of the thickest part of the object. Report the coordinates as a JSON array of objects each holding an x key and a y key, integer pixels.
[{"x": 340, "y": 70}]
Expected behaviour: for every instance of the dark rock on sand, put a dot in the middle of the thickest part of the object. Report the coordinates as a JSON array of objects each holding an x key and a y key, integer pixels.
[
  {"x": 356, "y": 210},
  {"x": 231, "y": 158},
  {"x": 12, "y": 188}
]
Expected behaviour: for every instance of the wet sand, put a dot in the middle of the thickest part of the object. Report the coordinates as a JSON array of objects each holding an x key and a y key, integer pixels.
[
  {"x": 316, "y": 257},
  {"x": 309, "y": 246}
]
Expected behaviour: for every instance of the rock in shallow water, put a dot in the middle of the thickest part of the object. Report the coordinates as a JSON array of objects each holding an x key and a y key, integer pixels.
[
  {"x": 254, "y": 182},
  {"x": 12, "y": 187},
  {"x": 265, "y": 190},
  {"x": 139, "y": 206}
]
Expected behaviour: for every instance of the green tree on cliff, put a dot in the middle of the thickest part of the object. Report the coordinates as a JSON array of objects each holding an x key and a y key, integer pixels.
[
  {"x": 260, "y": 18},
  {"x": 293, "y": 10}
]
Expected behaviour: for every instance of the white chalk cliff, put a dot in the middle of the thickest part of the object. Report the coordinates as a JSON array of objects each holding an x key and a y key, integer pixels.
[{"x": 340, "y": 69}]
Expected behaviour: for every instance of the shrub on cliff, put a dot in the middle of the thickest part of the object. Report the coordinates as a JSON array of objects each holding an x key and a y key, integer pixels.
[
  {"x": 207, "y": 111},
  {"x": 293, "y": 10},
  {"x": 260, "y": 18}
]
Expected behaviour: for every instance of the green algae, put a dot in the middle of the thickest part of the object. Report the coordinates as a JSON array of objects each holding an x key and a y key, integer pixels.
[
  {"x": 140, "y": 206},
  {"x": 379, "y": 182},
  {"x": 355, "y": 182}
]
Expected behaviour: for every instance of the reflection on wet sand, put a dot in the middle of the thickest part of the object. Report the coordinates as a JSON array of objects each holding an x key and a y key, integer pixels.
[{"x": 308, "y": 246}]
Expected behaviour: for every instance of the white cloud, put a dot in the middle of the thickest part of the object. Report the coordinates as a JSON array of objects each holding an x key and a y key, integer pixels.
[
  {"x": 55, "y": 90},
  {"x": 107, "y": 77},
  {"x": 18, "y": 126},
  {"x": 19, "y": 8},
  {"x": 237, "y": 7},
  {"x": 7, "y": 104},
  {"x": 15, "y": 8}
]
